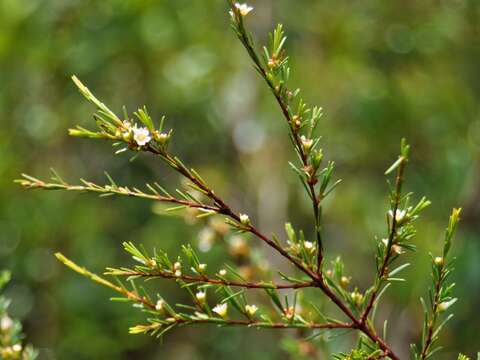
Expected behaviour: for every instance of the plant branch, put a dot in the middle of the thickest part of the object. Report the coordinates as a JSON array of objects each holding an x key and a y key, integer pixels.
[
  {"x": 383, "y": 270},
  {"x": 206, "y": 280}
]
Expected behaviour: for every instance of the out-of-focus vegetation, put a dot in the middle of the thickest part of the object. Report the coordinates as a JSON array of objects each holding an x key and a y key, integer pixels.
[{"x": 381, "y": 70}]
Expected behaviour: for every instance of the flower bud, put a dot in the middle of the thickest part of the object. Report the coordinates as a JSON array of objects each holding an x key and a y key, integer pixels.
[
  {"x": 201, "y": 295},
  {"x": 201, "y": 268},
  {"x": 309, "y": 246},
  {"x": 244, "y": 219},
  {"x": 251, "y": 310},
  {"x": 306, "y": 143},
  {"x": 159, "y": 305},
  {"x": 439, "y": 261},
  {"x": 222, "y": 272},
  {"x": 221, "y": 310},
  {"x": 344, "y": 281}
]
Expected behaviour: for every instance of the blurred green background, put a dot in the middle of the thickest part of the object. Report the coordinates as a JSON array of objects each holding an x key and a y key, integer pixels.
[{"x": 382, "y": 70}]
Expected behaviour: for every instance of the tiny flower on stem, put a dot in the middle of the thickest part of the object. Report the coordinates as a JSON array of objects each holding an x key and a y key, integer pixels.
[
  {"x": 141, "y": 136},
  {"x": 399, "y": 214},
  {"x": 309, "y": 246},
  {"x": 306, "y": 143},
  {"x": 222, "y": 272},
  {"x": 244, "y": 219},
  {"x": 438, "y": 261},
  {"x": 221, "y": 310},
  {"x": 201, "y": 268},
  {"x": 159, "y": 305},
  {"x": 290, "y": 313},
  {"x": 244, "y": 9},
  {"x": 395, "y": 248},
  {"x": 251, "y": 310},
  {"x": 443, "y": 306},
  {"x": 201, "y": 295}
]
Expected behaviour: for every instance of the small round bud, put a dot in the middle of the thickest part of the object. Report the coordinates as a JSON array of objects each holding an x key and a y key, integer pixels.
[
  {"x": 244, "y": 219},
  {"x": 177, "y": 266},
  {"x": 17, "y": 348},
  {"x": 344, "y": 281},
  {"x": 251, "y": 309},
  {"x": 178, "y": 273},
  {"x": 159, "y": 305},
  {"x": 309, "y": 246},
  {"x": 201, "y": 268},
  {"x": 439, "y": 261},
  {"x": 357, "y": 298},
  {"x": 151, "y": 263},
  {"x": 162, "y": 138},
  {"x": 201, "y": 295},
  {"x": 222, "y": 272}
]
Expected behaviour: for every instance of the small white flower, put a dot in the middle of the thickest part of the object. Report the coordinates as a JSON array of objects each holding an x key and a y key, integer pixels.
[
  {"x": 177, "y": 266},
  {"x": 309, "y": 246},
  {"x": 243, "y": 8},
  {"x": 222, "y": 272},
  {"x": 159, "y": 305},
  {"x": 202, "y": 268},
  {"x": 438, "y": 261},
  {"x": 221, "y": 309},
  {"x": 395, "y": 248},
  {"x": 290, "y": 313},
  {"x": 399, "y": 214},
  {"x": 6, "y": 323},
  {"x": 17, "y": 348},
  {"x": 446, "y": 304},
  {"x": 141, "y": 135},
  {"x": 244, "y": 219},
  {"x": 251, "y": 309},
  {"x": 306, "y": 143},
  {"x": 201, "y": 295},
  {"x": 178, "y": 273}
]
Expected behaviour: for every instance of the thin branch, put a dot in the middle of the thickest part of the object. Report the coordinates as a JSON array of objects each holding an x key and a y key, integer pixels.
[
  {"x": 32, "y": 183},
  {"x": 383, "y": 271},
  {"x": 206, "y": 280},
  {"x": 293, "y": 132},
  {"x": 131, "y": 295}
]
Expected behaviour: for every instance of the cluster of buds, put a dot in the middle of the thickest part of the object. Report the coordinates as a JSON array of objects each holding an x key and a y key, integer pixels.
[
  {"x": 357, "y": 298},
  {"x": 13, "y": 352}
]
